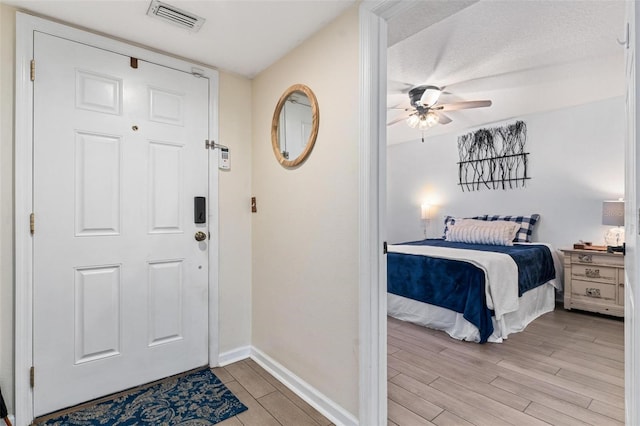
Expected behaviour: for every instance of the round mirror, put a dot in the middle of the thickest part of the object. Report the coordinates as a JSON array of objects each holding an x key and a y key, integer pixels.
[{"x": 295, "y": 125}]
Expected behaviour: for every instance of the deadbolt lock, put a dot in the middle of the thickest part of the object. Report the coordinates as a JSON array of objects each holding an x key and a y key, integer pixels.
[{"x": 200, "y": 236}]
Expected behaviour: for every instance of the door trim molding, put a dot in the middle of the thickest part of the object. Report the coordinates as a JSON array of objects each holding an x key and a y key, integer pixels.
[
  {"x": 372, "y": 207},
  {"x": 632, "y": 197},
  {"x": 26, "y": 25}
]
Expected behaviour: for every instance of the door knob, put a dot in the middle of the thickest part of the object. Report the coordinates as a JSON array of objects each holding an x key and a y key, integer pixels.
[{"x": 200, "y": 236}]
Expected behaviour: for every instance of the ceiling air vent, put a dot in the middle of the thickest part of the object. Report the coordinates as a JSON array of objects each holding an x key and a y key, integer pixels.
[{"x": 174, "y": 15}]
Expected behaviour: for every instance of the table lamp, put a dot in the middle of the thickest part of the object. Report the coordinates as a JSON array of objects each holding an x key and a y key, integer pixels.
[{"x": 613, "y": 215}]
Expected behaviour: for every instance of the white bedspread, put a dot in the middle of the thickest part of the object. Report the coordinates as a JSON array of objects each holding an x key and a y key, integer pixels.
[{"x": 500, "y": 270}]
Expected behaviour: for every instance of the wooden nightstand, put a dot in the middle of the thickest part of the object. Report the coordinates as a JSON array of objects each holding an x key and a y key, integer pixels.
[{"x": 594, "y": 281}]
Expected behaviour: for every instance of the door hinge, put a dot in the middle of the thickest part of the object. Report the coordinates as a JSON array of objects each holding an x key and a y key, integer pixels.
[
  {"x": 32, "y": 223},
  {"x": 32, "y": 376},
  {"x": 384, "y": 247},
  {"x": 33, "y": 70}
]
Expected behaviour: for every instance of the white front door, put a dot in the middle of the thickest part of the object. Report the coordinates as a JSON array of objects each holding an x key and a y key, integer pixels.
[{"x": 120, "y": 283}]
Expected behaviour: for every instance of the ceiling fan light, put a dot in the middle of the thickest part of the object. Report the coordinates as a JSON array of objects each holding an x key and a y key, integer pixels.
[
  {"x": 413, "y": 121},
  {"x": 431, "y": 118},
  {"x": 423, "y": 124}
]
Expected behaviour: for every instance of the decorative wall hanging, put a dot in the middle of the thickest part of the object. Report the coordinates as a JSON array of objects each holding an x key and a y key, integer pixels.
[{"x": 493, "y": 158}]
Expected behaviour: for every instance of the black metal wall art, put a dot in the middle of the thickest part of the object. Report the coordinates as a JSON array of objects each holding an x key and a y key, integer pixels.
[{"x": 493, "y": 158}]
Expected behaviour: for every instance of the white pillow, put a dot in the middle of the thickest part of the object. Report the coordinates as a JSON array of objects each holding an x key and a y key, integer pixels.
[
  {"x": 478, "y": 222},
  {"x": 499, "y": 233}
]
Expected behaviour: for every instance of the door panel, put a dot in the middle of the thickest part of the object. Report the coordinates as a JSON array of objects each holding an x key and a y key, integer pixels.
[
  {"x": 165, "y": 174},
  {"x": 120, "y": 284},
  {"x": 98, "y": 171},
  {"x": 97, "y": 313}
]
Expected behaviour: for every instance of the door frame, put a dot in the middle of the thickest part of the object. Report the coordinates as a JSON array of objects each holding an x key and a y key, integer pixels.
[
  {"x": 632, "y": 233},
  {"x": 26, "y": 25},
  {"x": 372, "y": 208}
]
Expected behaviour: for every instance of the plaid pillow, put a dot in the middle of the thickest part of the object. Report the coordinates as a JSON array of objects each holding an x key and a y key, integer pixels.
[
  {"x": 451, "y": 220},
  {"x": 526, "y": 225}
]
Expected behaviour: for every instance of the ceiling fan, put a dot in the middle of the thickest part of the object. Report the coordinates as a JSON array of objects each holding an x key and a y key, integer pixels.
[{"x": 425, "y": 111}]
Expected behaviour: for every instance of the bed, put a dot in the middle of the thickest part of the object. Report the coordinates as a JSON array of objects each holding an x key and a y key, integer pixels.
[{"x": 475, "y": 292}]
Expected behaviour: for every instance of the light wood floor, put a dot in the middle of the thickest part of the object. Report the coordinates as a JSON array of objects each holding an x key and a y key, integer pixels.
[
  {"x": 268, "y": 400},
  {"x": 566, "y": 368}
]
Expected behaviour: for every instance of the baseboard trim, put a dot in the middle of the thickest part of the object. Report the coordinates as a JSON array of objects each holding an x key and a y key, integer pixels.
[
  {"x": 234, "y": 355},
  {"x": 308, "y": 393}
]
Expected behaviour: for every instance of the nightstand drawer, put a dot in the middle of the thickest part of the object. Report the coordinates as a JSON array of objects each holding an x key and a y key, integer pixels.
[
  {"x": 594, "y": 290},
  {"x": 597, "y": 258},
  {"x": 595, "y": 273}
]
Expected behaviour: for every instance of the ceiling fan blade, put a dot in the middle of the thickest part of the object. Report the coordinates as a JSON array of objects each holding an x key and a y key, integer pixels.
[
  {"x": 443, "y": 119},
  {"x": 430, "y": 96},
  {"x": 397, "y": 87},
  {"x": 463, "y": 105},
  {"x": 399, "y": 108},
  {"x": 399, "y": 119}
]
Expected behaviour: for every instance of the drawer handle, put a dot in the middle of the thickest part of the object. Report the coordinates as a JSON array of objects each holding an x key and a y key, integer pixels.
[
  {"x": 592, "y": 273},
  {"x": 592, "y": 292},
  {"x": 585, "y": 258}
]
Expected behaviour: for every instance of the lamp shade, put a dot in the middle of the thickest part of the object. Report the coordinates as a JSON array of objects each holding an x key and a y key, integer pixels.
[
  {"x": 613, "y": 213},
  {"x": 425, "y": 213}
]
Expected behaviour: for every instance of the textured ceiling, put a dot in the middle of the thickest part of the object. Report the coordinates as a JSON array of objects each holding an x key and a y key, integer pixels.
[
  {"x": 525, "y": 56},
  {"x": 241, "y": 36},
  {"x": 420, "y": 14}
]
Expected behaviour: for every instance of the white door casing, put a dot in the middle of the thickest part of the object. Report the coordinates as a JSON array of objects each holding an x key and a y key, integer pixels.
[
  {"x": 26, "y": 29},
  {"x": 372, "y": 208},
  {"x": 632, "y": 237}
]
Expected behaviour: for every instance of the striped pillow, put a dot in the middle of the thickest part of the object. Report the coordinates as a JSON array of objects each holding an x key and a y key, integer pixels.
[
  {"x": 481, "y": 232},
  {"x": 451, "y": 220}
]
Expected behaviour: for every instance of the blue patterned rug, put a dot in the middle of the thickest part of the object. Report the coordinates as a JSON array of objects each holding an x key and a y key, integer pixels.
[{"x": 197, "y": 399}]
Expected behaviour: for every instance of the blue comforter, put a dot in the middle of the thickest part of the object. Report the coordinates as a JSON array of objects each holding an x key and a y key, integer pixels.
[{"x": 460, "y": 286}]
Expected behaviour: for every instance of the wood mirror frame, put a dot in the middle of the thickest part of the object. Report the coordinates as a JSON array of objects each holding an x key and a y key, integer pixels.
[{"x": 275, "y": 123}]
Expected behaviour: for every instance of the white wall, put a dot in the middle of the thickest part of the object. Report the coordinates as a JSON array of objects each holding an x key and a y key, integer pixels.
[
  {"x": 7, "y": 65},
  {"x": 576, "y": 162},
  {"x": 234, "y": 196},
  {"x": 305, "y": 232}
]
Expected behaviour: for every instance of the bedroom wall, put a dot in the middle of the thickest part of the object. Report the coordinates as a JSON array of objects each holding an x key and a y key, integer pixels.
[
  {"x": 576, "y": 162},
  {"x": 234, "y": 195},
  {"x": 305, "y": 232}
]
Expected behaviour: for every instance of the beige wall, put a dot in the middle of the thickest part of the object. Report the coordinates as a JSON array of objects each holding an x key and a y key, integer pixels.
[
  {"x": 305, "y": 233},
  {"x": 234, "y": 196},
  {"x": 7, "y": 65},
  {"x": 235, "y": 214}
]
